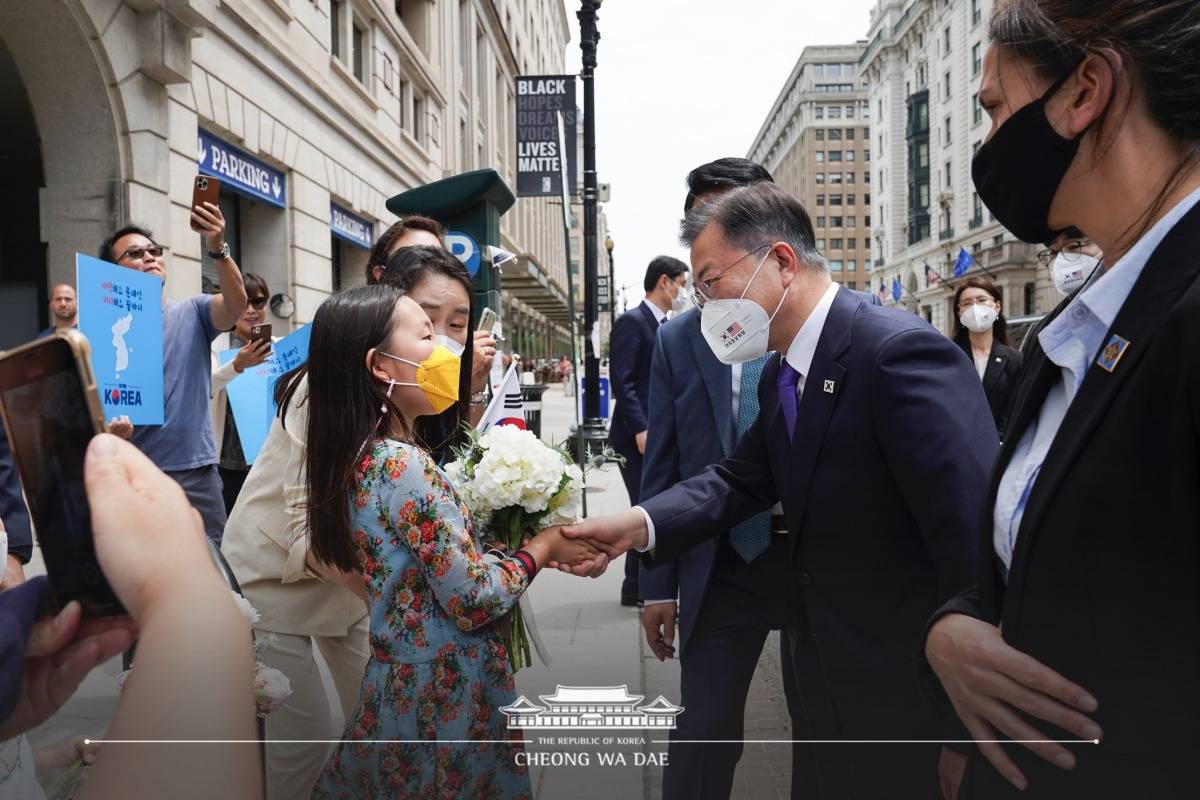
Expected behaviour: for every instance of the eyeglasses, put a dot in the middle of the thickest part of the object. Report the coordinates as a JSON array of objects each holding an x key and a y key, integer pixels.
[
  {"x": 257, "y": 303},
  {"x": 703, "y": 291},
  {"x": 1073, "y": 246},
  {"x": 138, "y": 253},
  {"x": 984, "y": 300}
]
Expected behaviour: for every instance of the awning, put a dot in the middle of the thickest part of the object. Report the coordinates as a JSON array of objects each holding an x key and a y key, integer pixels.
[{"x": 526, "y": 280}]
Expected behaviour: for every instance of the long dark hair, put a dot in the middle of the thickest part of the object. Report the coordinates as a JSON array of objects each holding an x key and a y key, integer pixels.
[
  {"x": 343, "y": 406},
  {"x": 406, "y": 268},
  {"x": 999, "y": 329}
]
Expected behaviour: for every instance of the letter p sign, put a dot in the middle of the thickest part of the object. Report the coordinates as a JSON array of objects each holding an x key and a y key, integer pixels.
[{"x": 463, "y": 247}]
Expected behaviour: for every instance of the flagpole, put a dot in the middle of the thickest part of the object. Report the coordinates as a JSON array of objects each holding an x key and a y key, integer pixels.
[{"x": 581, "y": 451}]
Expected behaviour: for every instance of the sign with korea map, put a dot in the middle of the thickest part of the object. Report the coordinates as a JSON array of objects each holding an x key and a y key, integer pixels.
[
  {"x": 252, "y": 394},
  {"x": 120, "y": 313}
]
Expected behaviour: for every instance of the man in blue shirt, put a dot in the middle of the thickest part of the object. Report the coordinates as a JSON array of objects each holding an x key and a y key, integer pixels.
[
  {"x": 183, "y": 446},
  {"x": 64, "y": 309}
]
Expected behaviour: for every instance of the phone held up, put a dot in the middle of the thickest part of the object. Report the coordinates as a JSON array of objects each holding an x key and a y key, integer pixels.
[
  {"x": 259, "y": 333},
  {"x": 51, "y": 410},
  {"x": 205, "y": 190}
]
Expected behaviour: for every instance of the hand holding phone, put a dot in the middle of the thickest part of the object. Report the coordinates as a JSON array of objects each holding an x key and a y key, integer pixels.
[
  {"x": 260, "y": 333},
  {"x": 206, "y": 189}
]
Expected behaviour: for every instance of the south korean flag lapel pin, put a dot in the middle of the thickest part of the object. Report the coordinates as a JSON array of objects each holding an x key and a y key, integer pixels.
[
  {"x": 1110, "y": 354},
  {"x": 830, "y": 386}
]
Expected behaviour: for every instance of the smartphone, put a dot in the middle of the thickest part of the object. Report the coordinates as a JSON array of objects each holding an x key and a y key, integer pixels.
[
  {"x": 51, "y": 410},
  {"x": 260, "y": 332},
  {"x": 205, "y": 190},
  {"x": 488, "y": 321}
]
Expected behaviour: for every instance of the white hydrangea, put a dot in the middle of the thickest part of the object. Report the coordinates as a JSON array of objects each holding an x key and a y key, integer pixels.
[{"x": 516, "y": 468}]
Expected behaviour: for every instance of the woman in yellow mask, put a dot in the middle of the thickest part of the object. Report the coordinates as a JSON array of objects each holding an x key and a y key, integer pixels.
[{"x": 386, "y": 523}]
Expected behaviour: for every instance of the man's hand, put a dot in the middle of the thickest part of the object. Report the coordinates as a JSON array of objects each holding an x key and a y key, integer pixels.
[
  {"x": 988, "y": 681},
  {"x": 210, "y": 222},
  {"x": 951, "y": 766},
  {"x": 613, "y": 534},
  {"x": 251, "y": 355},
  {"x": 62, "y": 650},
  {"x": 640, "y": 439},
  {"x": 658, "y": 620},
  {"x": 14, "y": 573}
]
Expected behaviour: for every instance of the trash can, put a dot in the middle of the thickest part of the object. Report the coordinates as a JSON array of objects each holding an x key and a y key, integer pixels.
[{"x": 532, "y": 393}]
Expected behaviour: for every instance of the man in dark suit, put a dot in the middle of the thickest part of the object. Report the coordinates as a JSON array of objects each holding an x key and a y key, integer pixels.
[
  {"x": 630, "y": 349},
  {"x": 732, "y": 590},
  {"x": 14, "y": 518},
  {"x": 868, "y": 437}
]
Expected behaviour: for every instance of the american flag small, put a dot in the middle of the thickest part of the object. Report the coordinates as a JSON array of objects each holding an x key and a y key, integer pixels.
[
  {"x": 731, "y": 332},
  {"x": 931, "y": 276}
]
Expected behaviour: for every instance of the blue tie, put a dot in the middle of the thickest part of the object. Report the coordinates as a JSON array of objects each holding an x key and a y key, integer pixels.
[{"x": 750, "y": 538}]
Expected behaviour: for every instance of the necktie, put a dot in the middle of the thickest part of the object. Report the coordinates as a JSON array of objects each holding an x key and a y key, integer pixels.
[
  {"x": 787, "y": 381},
  {"x": 750, "y": 538}
]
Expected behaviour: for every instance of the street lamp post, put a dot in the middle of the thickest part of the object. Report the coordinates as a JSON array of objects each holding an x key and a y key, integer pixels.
[{"x": 594, "y": 431}]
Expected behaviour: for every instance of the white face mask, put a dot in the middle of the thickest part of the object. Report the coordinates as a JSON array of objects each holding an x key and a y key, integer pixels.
[
  {"x": 451, "y": 345},
  {"x": 979, "y": 318},
  {"x": 737, "y": 329},
  {"x": 679, "y": 302},
  {"x": 1071, "y": 270}
]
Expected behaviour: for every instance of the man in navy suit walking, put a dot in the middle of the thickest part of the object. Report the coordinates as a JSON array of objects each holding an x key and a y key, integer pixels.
[
  {"x": 868, "y": 435},
  {"x": 630, "y": 349}
]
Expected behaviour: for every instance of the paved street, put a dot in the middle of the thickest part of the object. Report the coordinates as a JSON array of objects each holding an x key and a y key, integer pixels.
[{"x": 593, "y": 641}]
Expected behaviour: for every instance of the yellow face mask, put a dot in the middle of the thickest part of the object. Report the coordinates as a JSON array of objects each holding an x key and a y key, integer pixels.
[{"x": 437, "y": 377}]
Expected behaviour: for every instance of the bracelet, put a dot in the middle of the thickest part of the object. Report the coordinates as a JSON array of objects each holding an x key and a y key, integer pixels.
[{"x": 526, "y": 561}]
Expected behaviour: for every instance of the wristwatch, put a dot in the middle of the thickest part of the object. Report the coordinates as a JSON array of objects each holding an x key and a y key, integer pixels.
[
  {"x": 221, "y": 254},
  {"x": 479, "y": 398}
]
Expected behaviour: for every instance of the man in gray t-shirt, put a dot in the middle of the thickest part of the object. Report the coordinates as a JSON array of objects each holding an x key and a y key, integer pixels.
[{"x": 183, "y": 446}]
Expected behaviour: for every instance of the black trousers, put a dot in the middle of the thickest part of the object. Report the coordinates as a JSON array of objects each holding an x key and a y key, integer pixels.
[
  {"x": 631, "y": 474},
  {"x": 231, "y": 485},
  {"x": 740, "y": 607}
]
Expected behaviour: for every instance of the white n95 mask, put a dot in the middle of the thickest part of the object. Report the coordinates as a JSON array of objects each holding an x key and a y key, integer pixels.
[
  {"x": 737, "y": 330},
  {"x": 451, "y": 345},
  {"x": 1071, "y": 270}
]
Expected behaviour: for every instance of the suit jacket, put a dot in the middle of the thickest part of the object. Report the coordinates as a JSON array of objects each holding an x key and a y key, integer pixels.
[
  {"x": 881, "y": 487},
  {"x": 691, "y": 398},
  {"x": 1104, "y": 585},
  {"x": 631, "y": 348},
  {"x": 266, "y": 539},
  {"x": 13, "y": 512},
  {"x": 1000, "y": 379}
]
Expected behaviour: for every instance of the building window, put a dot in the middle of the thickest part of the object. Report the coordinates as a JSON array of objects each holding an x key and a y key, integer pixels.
[
  {"x": 360, "y": 51},
  {"x": 820, "y": 135},
  {"x": 946, "y": 40},
  {"x": 820, "y": 245},
  {"x": 835, "y": 244},
  {"x": 946, "y": 85},
  {"x": 835, "y": 266},
  {"x": 851, "y": 221},
  {"x": 947, "y": 130},
  {"x": 849, "y": 112},
  {"x": 835, "y": 112},
  {"x": 818, "y": 70},
  {"x": 923, "y": 195},
  {"x": 849, "y": 155},
  {"x": 820, "y": 222},
  {"x": 835, "y": 199},
  {"x": 820, "y": 177},
  {"x": 866, "y": 199},
  {"x": 976, "y": 12},
  {"x": 976, "y": 61},
  {"x": 947, "y": 174},
  {"x": 820, "y": 157},
  {"x": 835, "y": 155},
  {"x": 867, "y": 221},
  {"x": 851, "y": 243},
  {"x": 852, "y": 265},
  {"x": 335, "y": 29},
  {"x": 849, "y": 199},
  {"x": 849, "y": 177},
  {"x": 923, "y": 156},
  {"x": 834, "y": 177},
  {"x": 849, "y": 134},
  {"x": 819, "y": 112},
  {"x": 835, "y": 134},
  {"x": 976, "y": 110},
  {"x": 820, "y": 199},
  {"x": 835, "y": 222}
]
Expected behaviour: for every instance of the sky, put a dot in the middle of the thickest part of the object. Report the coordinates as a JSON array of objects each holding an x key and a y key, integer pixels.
[{"x": 682, "y": 82}]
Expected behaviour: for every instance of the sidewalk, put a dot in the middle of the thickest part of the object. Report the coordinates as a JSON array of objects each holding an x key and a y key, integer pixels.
[{"x": 596, "y": 641}]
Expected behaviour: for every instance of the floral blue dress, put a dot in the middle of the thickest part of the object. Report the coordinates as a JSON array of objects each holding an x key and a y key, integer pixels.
[{"x": 439, "y": 669}]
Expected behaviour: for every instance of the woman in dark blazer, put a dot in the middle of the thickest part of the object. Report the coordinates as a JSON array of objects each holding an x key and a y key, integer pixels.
[
  {"x": 1079, "y": 647},
  {"x": 982, "y": 332}
]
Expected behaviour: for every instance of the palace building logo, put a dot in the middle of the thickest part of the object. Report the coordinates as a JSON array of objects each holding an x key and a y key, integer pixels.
[{"x": 573, "y": 707}]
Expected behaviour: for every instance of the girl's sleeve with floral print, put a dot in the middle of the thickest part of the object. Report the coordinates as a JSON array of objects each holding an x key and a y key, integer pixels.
[{"x": 427, "y": 517}]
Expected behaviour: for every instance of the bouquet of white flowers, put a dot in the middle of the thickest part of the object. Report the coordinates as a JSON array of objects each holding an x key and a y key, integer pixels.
[{"x": 514, "y": 485}]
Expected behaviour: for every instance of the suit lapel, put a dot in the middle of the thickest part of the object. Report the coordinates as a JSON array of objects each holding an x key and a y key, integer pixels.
[
  {"x": 718, "y": 387},
  {"x": 1171, "y": 269},
  {"x": 994, "y": 368},
  {"x": 821, "y": 386},
  {"x": 648, "y": 315}
]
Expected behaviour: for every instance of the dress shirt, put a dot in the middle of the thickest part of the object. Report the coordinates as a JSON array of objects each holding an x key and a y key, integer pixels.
[
  {"x": 1072, "y": 341},
  {"x": 799, "y": 354}
]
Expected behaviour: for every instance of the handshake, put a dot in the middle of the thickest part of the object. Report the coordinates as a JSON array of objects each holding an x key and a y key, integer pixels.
[{"x": 586, "y": 548}]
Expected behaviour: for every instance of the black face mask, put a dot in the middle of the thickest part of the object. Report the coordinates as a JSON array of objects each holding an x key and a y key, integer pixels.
[{"x": 1017, "y": 172}]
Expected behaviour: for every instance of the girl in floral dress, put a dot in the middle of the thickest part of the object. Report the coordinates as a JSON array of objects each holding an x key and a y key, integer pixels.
[{"x": 385, "y": 521}]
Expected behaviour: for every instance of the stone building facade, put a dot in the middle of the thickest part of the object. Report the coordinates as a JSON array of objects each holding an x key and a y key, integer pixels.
[{"x": 115, "y": 102}]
